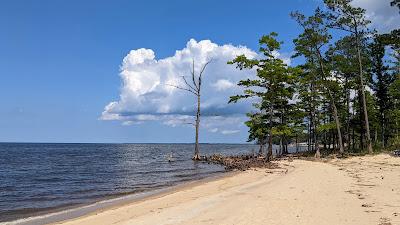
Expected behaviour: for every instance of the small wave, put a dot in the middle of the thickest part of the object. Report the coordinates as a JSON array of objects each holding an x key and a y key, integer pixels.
[
  {"x": 84, "y": 191},
  {"x": 49, "y": 179}
]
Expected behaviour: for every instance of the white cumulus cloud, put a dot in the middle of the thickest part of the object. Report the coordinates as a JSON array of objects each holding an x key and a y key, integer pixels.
[{"x": 147, "y": 95}]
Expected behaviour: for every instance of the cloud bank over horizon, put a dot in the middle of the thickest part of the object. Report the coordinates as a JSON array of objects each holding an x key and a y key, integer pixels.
[{"x": 147, "y": 95}]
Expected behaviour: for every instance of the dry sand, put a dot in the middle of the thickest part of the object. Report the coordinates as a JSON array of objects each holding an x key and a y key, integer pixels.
[{"x": 360, "y": 190}]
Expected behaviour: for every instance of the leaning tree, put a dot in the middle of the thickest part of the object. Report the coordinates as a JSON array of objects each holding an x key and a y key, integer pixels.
[
  {"x": 341, "y": 15},
  {"x": 309, "y": 44}
]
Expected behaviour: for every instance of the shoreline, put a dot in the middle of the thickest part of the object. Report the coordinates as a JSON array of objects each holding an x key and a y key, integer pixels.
[
  {"x": 74, "y": 212},
  {"x": 358, "y": 190}
]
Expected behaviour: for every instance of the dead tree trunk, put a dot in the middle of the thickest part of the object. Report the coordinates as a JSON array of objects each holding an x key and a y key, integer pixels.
[
  {"x": 195, "y": 88},
  {"x": 196, "y": 155}
]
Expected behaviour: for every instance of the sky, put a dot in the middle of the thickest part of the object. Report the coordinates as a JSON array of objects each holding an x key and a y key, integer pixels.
[{"x": 100, "y": 71}]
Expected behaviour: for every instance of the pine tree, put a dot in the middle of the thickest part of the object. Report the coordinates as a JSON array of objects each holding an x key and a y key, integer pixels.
[
  {"x": 340, "y": 59},
  {"x": 383, "y": 80},
  {"x": 258, "y": 129},
  {"x": 309, "y": 44},
  {"x": 343, "y": 16},
  {"x": 272, "y": 87}
]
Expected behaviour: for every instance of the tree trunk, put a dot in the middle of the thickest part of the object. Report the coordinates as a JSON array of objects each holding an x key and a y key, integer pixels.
[
  {"x": 309, "y": 136},
  {"x": 317, "y": 152},
  {"x": 339, "y": 133},
  {"x": 325, "y": 134},
  {"x": 337, "y": 122},
  {"x": 334, "y": 141},
  {"x": 353, "y": 142},
  {"x": 269, "y": 153},
  {"x": 315, "y": 137},
  {"x": 364, "y": 101},
  {"x": 311, "y": 118},
  {"x": 383, "y": 131},
  {"x": 286, "y": 146},
  {"x": 197, "y": 147},
  {"x": 348, "y": 118},
  {"x": 261, "y": 150}
]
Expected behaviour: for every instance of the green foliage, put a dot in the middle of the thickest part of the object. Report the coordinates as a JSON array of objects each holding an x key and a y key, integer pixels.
[
  {"x": 395, "y": 3},
  {"x": 258, "y": 129},
  {"x": 343, "y": 16},
  {"x": 273, "y": 88},
  {"x": 324, "y": 97},
  {"x": 283, "y": 130},
  {"x": 331, "y": 126},
  {"x": 314, "y": 36}
]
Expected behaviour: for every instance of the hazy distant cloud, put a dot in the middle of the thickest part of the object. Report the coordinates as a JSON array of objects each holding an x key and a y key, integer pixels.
[
  {"x": 146, "y": 94},
  {"x": 213, "y": 130},
  {"x": 384, "y": 17},
  {"x": 230, "y": 131},
  {"x": 222, "y": 85}
]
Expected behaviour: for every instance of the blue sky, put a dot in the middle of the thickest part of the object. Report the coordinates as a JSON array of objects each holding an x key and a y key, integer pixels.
[{"x": 60, "y": 60}]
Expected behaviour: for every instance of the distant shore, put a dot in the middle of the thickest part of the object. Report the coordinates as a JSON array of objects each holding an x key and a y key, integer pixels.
[{"x": 359, "y": 190}]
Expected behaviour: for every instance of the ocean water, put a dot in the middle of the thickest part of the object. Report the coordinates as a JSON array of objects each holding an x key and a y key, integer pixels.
[{"x": 39, "y": 178}]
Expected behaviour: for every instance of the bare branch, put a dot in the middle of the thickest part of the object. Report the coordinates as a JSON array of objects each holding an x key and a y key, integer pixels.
[
  {"x": 340, "y": 28},
  {"x": 190, "y": 86},
  {"x": 204, "y": 66},
  {"x": 193, "y": 75},
  {"x": 202, "y": 70},
  {"x": 181, "y": 88},
  {"x": 193, "y": 124}
]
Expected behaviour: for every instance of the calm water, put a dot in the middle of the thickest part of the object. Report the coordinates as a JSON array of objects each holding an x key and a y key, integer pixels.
[{"x": 38, "y": 178}]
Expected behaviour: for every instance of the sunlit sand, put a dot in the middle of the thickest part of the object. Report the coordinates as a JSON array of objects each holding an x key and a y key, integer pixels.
[{"x": 359, "y": 190}]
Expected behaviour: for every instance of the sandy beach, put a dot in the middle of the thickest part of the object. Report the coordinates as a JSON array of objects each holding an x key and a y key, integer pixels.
[{"x": 359, "y": 190}]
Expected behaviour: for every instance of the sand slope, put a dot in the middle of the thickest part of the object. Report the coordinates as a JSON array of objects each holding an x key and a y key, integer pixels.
[{"x": 361, "y": 190}]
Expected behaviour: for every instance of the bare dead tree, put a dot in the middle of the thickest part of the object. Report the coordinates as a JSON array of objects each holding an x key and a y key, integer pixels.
[{"x": 194, "y": 87}]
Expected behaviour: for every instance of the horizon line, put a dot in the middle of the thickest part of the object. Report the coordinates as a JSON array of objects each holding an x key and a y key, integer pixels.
[{"x": 39, "y": 142}]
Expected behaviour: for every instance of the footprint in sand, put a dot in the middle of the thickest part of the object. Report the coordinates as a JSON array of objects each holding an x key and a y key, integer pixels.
[{"x": 385, "y": 221}]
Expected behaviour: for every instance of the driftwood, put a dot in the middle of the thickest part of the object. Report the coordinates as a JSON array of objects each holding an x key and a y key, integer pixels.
[{"x": 240, "y": 162}]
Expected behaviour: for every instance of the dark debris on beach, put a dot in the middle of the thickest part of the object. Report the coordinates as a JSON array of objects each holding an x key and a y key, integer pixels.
[{"x": 240, "y": 162}]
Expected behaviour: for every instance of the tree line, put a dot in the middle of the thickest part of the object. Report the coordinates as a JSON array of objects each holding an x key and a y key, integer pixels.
[{"x": 344, "y": 97}]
